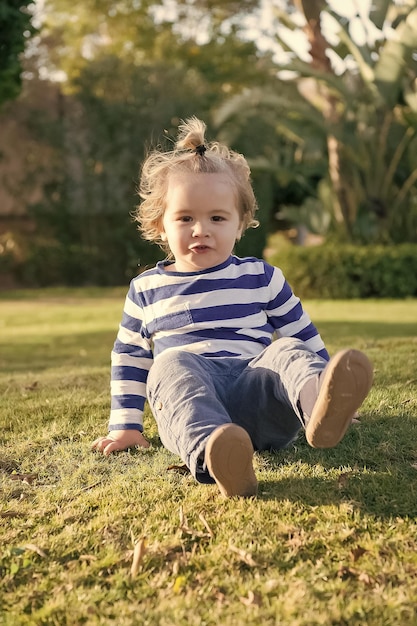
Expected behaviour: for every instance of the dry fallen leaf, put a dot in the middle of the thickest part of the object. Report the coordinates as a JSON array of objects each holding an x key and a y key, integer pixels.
[
  {"x": 345, "y": 572},
  {"x": 33, "y": 548},
  {"x": 203, "y": 519},
  {"x": 87, "y": 557},
  {"x": 32, "y": 386},
  {"x": 10, "y": 514},
  {"x": 357, "y": 552},
  {"x": 25, "y": 478},
  {"x": 98, "y": 482},
  {"x": 180, "y": 469},
  {"x": 343, "y": 480},
  {"x": 366, "y": 578},
  {"x": 193, "y": 532},
  {"x": 244, "y": 556},
  {"x": 253, "y": 599},
  {"x": 138, "y": 554}
]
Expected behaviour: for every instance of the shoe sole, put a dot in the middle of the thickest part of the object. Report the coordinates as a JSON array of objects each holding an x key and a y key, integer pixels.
[
  {"x": 346, "y": 383},
  {"x": 229, "y": 458}
]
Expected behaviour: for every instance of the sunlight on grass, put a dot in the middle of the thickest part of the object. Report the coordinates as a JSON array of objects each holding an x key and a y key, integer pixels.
[{"x": 331, "y": 539}]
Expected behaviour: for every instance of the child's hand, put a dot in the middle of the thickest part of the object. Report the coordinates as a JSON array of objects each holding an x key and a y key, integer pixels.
[{"x": 119, "y": 440}]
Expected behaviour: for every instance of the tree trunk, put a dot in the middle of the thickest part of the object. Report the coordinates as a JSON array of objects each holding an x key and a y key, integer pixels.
[{"x": 344, "y": 211}]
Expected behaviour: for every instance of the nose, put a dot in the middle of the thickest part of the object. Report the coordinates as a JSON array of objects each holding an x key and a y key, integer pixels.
[{"x": 200, "y": 229}]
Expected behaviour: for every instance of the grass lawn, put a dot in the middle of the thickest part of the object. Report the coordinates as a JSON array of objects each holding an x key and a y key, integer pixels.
[{"x": 331, "y": 539}]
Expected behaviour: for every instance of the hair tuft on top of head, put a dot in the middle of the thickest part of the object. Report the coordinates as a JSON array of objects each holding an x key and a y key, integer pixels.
[{"x": 191, "y": 134}]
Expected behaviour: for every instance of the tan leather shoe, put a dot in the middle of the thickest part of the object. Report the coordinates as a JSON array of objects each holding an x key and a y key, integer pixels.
[
  {"x": 229, "y": 458},
  {"x": 345, "y": 383}
]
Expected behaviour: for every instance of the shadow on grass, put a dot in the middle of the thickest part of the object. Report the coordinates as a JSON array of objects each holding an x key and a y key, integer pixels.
[
  {"x": 373, "y": 470},
  {"x": 375, "y": 467}
]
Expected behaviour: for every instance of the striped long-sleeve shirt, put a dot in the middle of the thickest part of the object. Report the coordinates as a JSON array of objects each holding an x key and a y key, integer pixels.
[{"x": 231, "y": 310}]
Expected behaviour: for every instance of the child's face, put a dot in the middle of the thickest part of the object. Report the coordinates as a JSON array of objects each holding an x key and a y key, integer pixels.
[{"x": 201, "y": 222}]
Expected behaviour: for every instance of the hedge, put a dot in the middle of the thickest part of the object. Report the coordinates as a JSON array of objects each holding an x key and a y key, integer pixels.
[{"x": 349, "y": 271}]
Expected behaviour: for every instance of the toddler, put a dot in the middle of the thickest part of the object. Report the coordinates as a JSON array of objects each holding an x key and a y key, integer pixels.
[{"x": 196, "y": 337}]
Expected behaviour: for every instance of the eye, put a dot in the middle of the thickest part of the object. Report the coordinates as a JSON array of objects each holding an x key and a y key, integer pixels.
[
  {"x": 185, "y": 218},
  {"x": 218, "y": 218}
]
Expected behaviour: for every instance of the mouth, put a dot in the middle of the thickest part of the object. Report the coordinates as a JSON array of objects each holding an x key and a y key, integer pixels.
[{"x": 200, "y": 248}]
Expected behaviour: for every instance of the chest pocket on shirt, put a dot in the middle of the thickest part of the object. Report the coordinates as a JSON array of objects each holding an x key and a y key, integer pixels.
[{"x": 172, "y": 321}]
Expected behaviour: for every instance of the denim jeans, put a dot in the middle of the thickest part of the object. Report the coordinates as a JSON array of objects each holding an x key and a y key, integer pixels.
[{"x": 192, "y": 395}]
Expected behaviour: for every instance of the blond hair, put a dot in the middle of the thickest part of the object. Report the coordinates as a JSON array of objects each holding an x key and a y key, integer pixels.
[{"x": 193, "y": 155}]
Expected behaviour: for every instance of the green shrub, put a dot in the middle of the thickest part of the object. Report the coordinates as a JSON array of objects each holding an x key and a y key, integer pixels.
[
  {"x": 348, "y": 271},
  {"x": 50, "y": 263}
]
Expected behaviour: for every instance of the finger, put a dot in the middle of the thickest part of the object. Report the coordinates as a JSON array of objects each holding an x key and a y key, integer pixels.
[
  {"x": 96, "y": 443},
  {"x": 101, "y": 445}
]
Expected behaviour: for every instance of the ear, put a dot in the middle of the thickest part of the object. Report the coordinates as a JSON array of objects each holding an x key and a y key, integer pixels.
[
  {"x": 160, "y": 225},
  {"x": 239, "y": 233}
]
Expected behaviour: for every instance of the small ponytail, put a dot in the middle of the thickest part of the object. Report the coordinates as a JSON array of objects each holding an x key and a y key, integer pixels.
[
  {"x": 191, "y": 136},
  {"x": 200, "y": 150}
]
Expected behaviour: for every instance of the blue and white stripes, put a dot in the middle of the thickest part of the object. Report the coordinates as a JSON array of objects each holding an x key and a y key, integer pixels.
[{"x": 232, "y": 310}]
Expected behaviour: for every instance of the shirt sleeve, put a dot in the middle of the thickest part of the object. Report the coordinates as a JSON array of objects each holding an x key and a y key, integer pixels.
[
  {"x": 287, "y": 316},
  {"x": 131, "y": 359}
]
